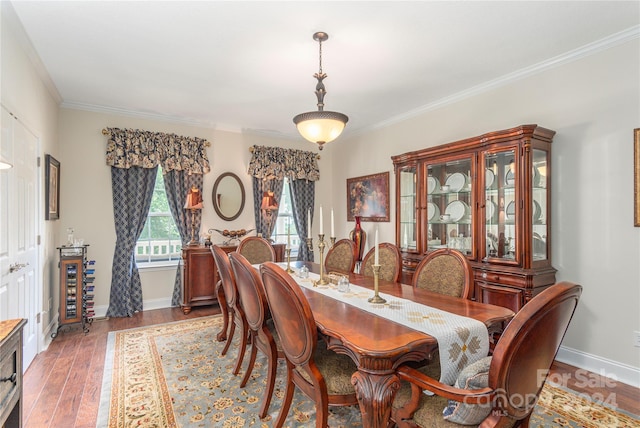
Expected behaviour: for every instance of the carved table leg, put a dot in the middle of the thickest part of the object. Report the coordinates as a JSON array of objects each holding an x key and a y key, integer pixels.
[
  {"x": 222, "y": 301},
  {"x": 375, "y": 395}
]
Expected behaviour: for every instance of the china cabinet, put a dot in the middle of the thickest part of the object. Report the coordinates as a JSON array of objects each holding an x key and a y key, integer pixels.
[{"x": 489, "y": 197}]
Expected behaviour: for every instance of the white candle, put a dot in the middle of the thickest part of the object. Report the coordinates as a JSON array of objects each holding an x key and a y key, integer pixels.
[
  {"x": 333, "y": 230},
  {"x": 309, "y": 223},
  {"x": 288, "y": 235},
  {"x": 406, "y": 241},
  {"x": 376, "y": 259},
  {"x": 321, "y": 231}
]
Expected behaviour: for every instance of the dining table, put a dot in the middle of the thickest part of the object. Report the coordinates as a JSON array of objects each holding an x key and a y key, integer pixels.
[{"x": 379, "y": 345}]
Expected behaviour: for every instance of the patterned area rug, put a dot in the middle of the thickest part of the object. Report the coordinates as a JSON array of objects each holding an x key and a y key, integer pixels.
[{"x": 172, "y": 375}]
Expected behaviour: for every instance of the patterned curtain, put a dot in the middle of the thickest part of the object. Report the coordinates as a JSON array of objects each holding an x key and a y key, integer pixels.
[
  {"x": 302, "y": 197},
  {"x": 269, "y": 166},
  {"x": 177, "y": 185},
  {"x": 134, "y": 156},
  {"x": 264, "y": 225},
  {"x": 132, "y": 191}
]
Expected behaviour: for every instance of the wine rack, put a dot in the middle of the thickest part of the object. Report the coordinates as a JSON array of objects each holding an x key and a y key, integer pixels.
[{"x": 76, "y": 288}]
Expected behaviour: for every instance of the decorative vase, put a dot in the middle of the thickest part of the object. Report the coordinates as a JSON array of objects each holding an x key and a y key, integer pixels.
[{"x": 358, "y": 236}]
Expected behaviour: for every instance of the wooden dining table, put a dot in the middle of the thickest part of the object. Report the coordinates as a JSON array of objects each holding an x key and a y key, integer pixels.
[{"x": 378, "y": 345}]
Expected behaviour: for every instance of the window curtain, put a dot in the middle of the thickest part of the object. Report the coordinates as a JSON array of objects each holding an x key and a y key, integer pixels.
[
  {"x": 265, "y": 224},
  {"x": 302, "y": 197},
  {"x": 269, "y": 166},
  {"x": 132, "y": 191},
  {"x": 134, "y": 156},
  {"x": 177, "y": 185}
]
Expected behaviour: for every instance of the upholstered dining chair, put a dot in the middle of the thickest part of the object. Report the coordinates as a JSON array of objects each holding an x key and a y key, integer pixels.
[
  {"x": 236, "y": 314},
  {"x": 389, "y": 259},
  {"x": 257, "y": 250},
  {"x": 322, "y": 375},
  {"x": 500, "y": 390},
  {"x": 340, "y": 257},
  {"x": 262, "y": 334},
  {"x": 445, "y": 271}
]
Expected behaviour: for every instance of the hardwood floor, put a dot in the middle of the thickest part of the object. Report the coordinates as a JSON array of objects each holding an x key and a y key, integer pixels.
[{"x": 62, "y": 385}]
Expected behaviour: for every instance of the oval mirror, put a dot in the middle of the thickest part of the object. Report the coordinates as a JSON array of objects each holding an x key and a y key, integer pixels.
[{"x": 228, "y": 196}]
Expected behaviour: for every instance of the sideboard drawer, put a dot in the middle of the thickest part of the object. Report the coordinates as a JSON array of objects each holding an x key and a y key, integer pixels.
[{"x": 512, "y": 298}]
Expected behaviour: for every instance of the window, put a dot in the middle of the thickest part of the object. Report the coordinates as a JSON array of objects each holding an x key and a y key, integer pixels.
[
  {"x": 285, "y": 221},
  {"x": 159, "y": 241}
]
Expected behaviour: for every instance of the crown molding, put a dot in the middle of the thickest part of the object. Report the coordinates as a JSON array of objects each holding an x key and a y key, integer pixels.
[{"x": 573, "y": 55}]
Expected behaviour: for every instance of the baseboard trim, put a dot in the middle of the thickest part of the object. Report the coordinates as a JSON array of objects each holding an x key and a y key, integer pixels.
[
  {"x": 612, "y": 369},
  {"x": 148, "y": 305}
]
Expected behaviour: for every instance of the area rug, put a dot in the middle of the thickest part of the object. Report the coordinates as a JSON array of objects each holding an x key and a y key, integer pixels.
[{"x": 172, "y": 375}]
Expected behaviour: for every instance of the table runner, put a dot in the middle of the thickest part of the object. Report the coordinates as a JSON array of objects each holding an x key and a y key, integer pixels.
[{"x": 461, "y": 340}]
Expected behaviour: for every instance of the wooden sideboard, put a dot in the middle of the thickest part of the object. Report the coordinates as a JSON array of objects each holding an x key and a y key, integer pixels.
[
  {"x": 11, "y": 372},
  {"x": 490, "y": 198},
  {"x": 200, "y": 275}
]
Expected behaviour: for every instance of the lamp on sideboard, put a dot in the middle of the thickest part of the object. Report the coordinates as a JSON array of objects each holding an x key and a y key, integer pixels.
[
  {"x": 193, "y": 204},
  {"x": 267, "y": 207}
]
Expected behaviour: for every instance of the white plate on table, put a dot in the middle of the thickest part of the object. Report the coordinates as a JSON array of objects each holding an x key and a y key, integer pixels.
[
  {"x": 458, "y": 210},
  {"x": 432, "y": 184},
  {"x": 457, "y": 181}
]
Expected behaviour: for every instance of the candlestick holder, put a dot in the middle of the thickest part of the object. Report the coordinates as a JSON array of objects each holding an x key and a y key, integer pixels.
[
  {"x": 288, "y": 251},
  {"x": 322, "y": 280},
  {"x": 376, "y": 297},
  {"x": 309, "y": 244},
  {"x": 333, "y": 240}
]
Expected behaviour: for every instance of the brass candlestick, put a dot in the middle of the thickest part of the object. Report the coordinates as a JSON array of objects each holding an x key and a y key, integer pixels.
[
  {"x": 310, "y": 244},
  {"x": 376, "y": 297},
  {"x": 333, "y": 240},
  {"x": 322, "y": 280},
  {"x": 288, "y": 251}
]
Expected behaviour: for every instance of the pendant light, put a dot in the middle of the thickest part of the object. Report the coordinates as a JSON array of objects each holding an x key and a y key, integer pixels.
[{"x": 320, "y": 126}]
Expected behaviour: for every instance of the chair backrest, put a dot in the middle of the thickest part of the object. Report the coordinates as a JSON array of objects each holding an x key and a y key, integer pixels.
[
  {"x": 256, "y": 250},
  {"x": 340, "y": 257},
  {"x": 250, "y": 290},
  {"x": 226, "y": 275},
  {"x": 291, "y": 314},
  {"x": 528, "y": 346},
  {"x": 445, "y": 271},
  {"x": 390, "y": 261}
]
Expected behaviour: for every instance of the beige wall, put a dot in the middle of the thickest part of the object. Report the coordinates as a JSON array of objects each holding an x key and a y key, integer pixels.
[
  {"x": 593, "y": 104},
  {"x": 86, "y": 200},
  {"x": 24, "y": 94}
]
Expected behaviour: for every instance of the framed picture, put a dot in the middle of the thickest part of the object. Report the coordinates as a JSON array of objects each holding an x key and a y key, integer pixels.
[
  {"x": 51, "y": 188},
  {"x": 636, "y": 177},
  {"x": 368, "y": 197}
]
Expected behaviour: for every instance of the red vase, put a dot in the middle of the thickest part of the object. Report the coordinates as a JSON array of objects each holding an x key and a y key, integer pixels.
[{"x": 358, "y": 236}]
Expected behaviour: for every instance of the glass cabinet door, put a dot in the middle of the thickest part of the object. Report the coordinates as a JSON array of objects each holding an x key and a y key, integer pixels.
[
  {"x": 449, "y": 205},
  {"x": 500, "y": 205},
  {"x": 539, "y": 205},
  {"x": 407, "y": 213}
]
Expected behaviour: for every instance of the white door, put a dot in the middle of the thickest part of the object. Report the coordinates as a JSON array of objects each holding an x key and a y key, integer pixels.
[{"x": 19, "y": 290}]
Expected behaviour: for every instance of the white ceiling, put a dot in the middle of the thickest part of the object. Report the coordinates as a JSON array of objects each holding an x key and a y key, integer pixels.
[{"x": 240, "y": 65}]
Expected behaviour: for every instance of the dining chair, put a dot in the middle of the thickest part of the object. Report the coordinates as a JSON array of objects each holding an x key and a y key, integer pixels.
[
  {"x": 500, "y": 390},
  {"x": 445, "y": 271},
  {"x": 257, "y": 250},
  {"x": 341, "y": 257},
  {"x": 236, "y": 314},
  {"x": 321, "y": 374},
  {"x": 262, "y": 334},
  {"x": 389, "y": 259}
]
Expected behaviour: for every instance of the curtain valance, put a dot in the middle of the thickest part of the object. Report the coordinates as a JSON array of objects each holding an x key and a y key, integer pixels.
[
  {"x": 127, "y": 148},
  {"x": 276, "y": 162}
]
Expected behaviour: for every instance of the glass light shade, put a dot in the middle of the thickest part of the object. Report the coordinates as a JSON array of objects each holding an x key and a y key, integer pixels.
[
  {"x": 5, "y": 165},
  {"x": 320, "y": 126}
]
